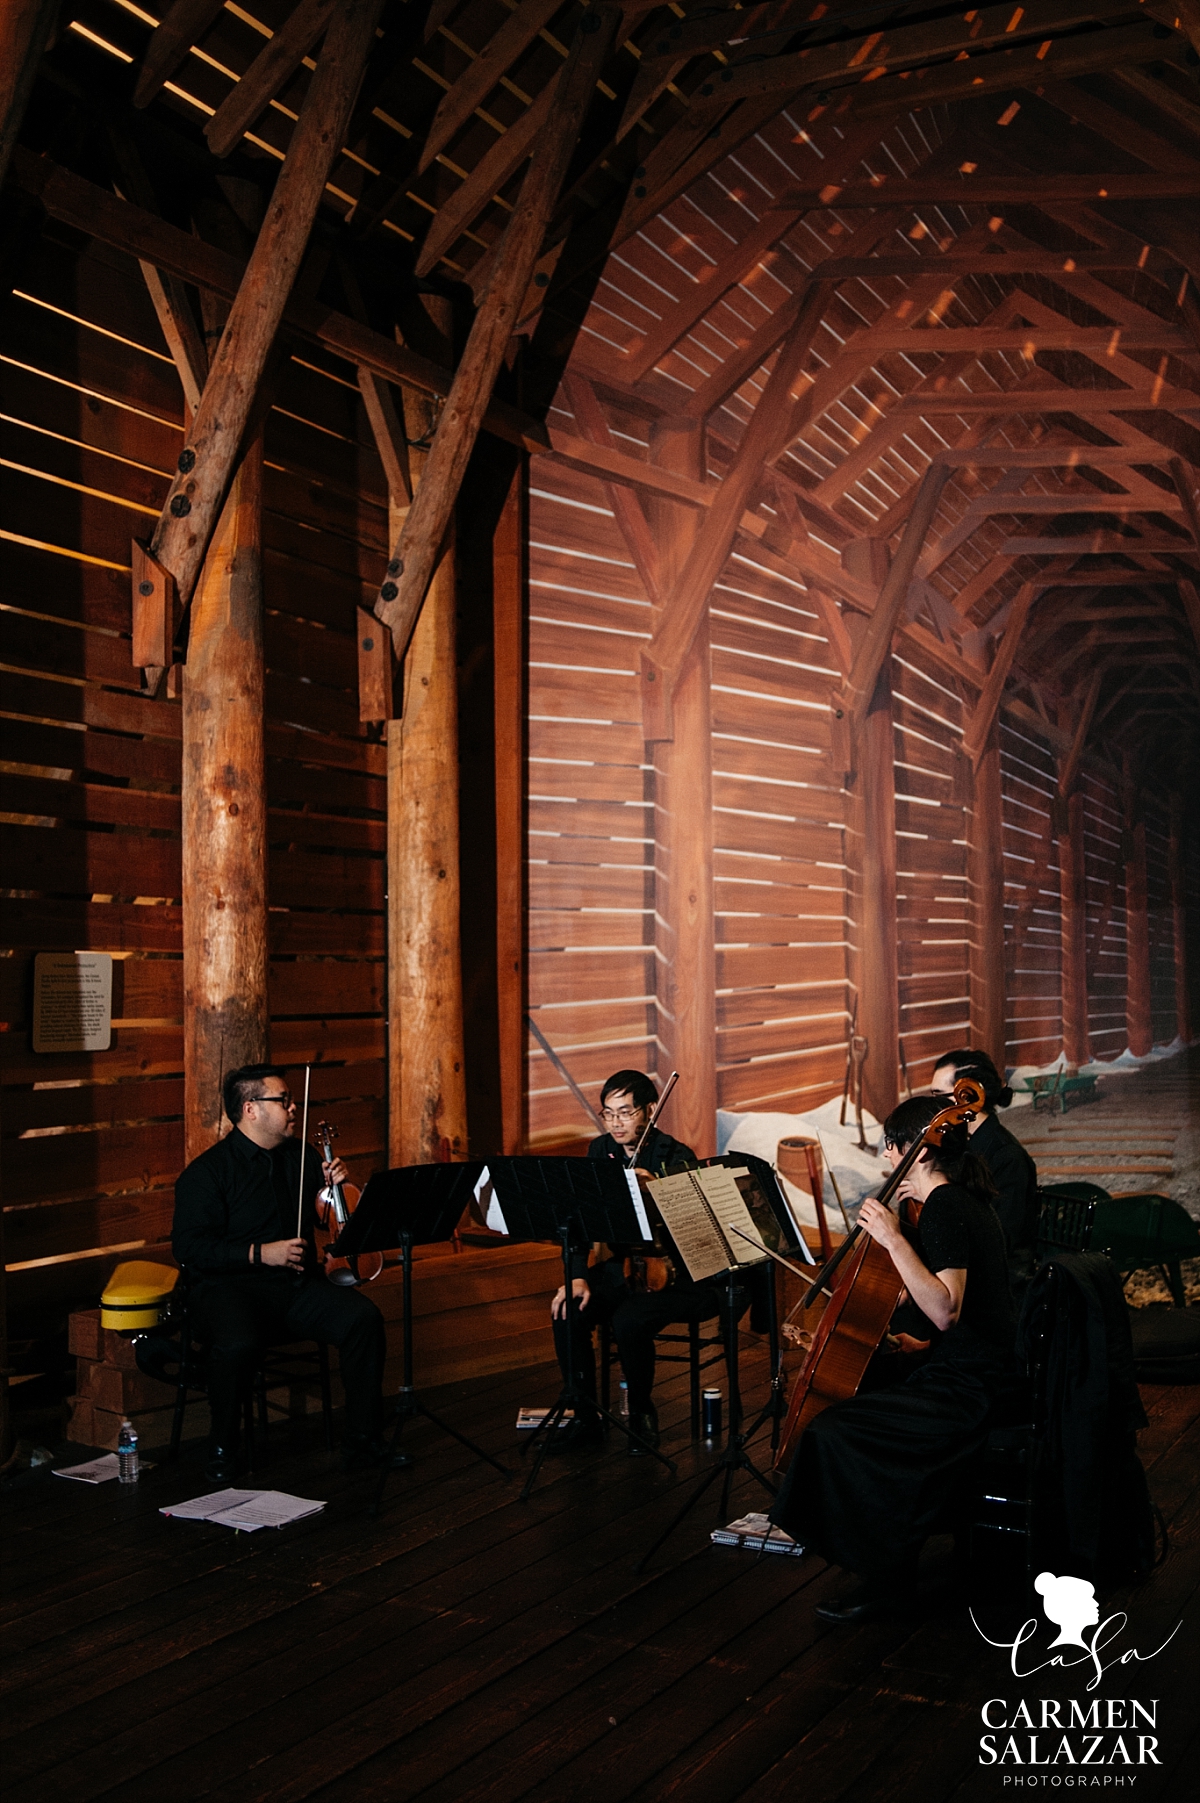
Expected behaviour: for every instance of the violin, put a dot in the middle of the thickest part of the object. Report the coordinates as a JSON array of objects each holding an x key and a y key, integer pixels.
[
  {"x": 860, "y": 1307},
  {"x": 645, "y": 1273},
  {"x": 335, "y": 1204}
]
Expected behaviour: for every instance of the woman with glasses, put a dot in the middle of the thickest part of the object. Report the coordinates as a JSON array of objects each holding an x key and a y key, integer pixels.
[
  {"x": 872, "y": 1475},
  {"x": 603, "y": 1293}
]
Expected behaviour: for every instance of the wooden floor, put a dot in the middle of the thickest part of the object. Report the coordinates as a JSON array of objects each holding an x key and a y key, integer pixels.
[{"x": 468, "y": 1645}]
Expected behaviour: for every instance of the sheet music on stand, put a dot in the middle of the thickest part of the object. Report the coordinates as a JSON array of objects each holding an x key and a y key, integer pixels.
[
  {"x": 705, "y": 1216},
  {"x": 535, "y": 1198}
]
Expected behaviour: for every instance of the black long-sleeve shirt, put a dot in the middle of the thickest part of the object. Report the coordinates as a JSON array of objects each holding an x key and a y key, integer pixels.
[
  {"x": 237, "y": 1195},
  {"x": 660, "y": 1154},
  {"x": 1015, "y": 1176}
]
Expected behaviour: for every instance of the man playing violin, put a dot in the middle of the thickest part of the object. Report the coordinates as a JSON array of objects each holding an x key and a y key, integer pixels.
[
  {"x": 620, "y": 1291},
  {"x": 873, "y": 1474},
  {"x": 253, "y": 1280}
]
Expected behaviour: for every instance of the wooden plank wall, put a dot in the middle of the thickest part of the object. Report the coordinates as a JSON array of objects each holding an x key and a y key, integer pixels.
[
  {"x": 1105, "y": 872},
  {"x": 1032, "y": 931},
  {"x": 931, "y": 869},
  {"x": 1162, "y": 923},
  {"x": 92, "y": 426}
]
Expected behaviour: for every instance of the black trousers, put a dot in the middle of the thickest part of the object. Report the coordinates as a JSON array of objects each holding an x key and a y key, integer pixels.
[
  {"x": 635, "y": 1319},
  {"x": 236, "y": 1317}
]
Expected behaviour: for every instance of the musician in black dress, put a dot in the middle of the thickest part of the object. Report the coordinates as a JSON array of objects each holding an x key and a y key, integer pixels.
[
  {"x": 605, "y": 1293},
  {"x": 872, "y": 1475},
  {"x": 1011, "y": 1168}
]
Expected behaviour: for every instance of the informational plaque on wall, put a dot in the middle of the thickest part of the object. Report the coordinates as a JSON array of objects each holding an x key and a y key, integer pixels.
[{"x": 72, "y": 1002}]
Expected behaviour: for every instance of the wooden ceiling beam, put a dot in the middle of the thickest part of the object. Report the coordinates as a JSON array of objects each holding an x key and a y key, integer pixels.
[
  {"x": 1095, "y": 544},
  {"x": 415, "y": 554},
  {"x": 988, "y": 188},
  {"x": 25, "y": 28},
  {"x": 1073, "y": 501},
  {"x": 876, "y": 641},
  {"x": 751, "y": 356},
  {"x": 183, "y": 25},
  {"x": 271, "y": 69},
  {"x": 1082, "y": 401},
  {"x": 144, "y": 236},
  {"x": 869, "y": 59},
  {"x": 207, "y": 463},
  {"x": 1116, "y": 127},
  {"x": 625, "y": 501},
  {"x": 1056, "y": 455},
  {"x": 764, "y": 437},
  {"x": 953, "y": 265},
  {"x": 1066, "y": 59},
  {"x": 493, "y": 60},
  {"x": 741, "y": 259}
]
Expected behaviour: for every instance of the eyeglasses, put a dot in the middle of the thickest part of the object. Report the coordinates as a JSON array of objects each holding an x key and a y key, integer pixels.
[
  {"x": 284, "y": 1100},
  {"x": 621, "y": 1114}
]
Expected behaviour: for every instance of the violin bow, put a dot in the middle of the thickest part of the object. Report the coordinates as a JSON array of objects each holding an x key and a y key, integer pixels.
[
  {"x": 303, "y": 1151},
  {"x": 661, "y": 1103}
]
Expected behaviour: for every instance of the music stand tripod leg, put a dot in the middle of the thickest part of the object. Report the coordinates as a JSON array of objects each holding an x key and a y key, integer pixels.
[
  {"x": 571, "y": 1396},
  {"x": 408, "y": 1403},
  {"x": 734, "y": 1457}
]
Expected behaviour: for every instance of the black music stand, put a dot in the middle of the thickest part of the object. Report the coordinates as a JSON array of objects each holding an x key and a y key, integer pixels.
[
  {"x": 573, "y": 1201},
  {"x": 773, "y": 1219},
  {"x": 418, "y": 1205}
]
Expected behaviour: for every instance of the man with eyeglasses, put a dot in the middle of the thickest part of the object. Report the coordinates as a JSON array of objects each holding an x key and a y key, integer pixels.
[
  {"x": 606, "y": 1293},
  {"x": 254, "y": 1280}
]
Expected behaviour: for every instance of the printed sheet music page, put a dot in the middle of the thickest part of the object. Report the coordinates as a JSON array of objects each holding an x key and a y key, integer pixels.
[{"x": 695, "y": 1235}]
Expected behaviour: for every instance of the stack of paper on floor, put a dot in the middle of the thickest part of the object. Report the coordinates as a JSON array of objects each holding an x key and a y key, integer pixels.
[
  {"x": 247, "y": 1510},
  {"x": 96, "y": 1471},
  {"x": 756, "y": 1535}
]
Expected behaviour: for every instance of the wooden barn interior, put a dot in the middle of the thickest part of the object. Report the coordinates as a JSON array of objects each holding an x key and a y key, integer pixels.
[{"x": 662, "y": 534}]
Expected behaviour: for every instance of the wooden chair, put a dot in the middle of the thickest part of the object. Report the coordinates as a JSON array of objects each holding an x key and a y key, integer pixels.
[
  {"x": 275, "y": 1366},
  {"x": 699, "y": 1356}
]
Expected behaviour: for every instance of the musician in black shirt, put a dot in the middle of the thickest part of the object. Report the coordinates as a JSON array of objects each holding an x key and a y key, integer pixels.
[
  {"x": 872, "y": 1474},
  {"x": 604, "y": 1293},
  {"x": 253, "y": 1279},
  {"x": 1011, "y": 1168}
]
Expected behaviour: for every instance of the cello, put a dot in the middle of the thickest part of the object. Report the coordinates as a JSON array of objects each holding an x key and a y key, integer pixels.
[{"x": 862, "y": 1302}]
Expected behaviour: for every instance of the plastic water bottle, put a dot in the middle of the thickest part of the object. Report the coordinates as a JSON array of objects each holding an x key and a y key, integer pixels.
[
  {"x": 127, "y": 1453},
  {"x": 623, "y": 1405}
]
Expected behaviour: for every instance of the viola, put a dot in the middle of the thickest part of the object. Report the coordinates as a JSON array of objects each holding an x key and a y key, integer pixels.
[
  {"x": 865, "y": 1296},
  {"x": 335, "y": 1204}
]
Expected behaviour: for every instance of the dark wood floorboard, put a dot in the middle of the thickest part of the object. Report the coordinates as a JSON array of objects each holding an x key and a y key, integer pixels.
[{"x": 470, "y": 1648}]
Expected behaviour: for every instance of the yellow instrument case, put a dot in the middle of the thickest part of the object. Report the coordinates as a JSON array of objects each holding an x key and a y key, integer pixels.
[{"x": 136, "y": 1294}]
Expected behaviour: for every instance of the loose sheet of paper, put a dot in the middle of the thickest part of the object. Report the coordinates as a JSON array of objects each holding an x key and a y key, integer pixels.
[
  {"x": 639, "y": 1207},
  {"x": 725, "y": 1199},
  {"x": 269, "y": 1509},
  {"x": 203, "y": 1508},
  {"x": 96, "y": 1471},
  {"x": 487, "y": 1208},
  {"x": 696, "y": 1238}
]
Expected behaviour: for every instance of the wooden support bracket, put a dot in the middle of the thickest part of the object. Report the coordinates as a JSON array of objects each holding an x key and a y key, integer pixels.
[
  {"x": 376, "y": 669},
  {"x": 154, "y": 615}
]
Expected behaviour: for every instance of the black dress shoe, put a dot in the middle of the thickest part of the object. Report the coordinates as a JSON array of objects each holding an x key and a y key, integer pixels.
[
  {"x": 371, "y": 1452},
  {"x": 645, "y": 1425},
  {"x": 221, "y": 1467},
  {"x": 865, "y": 1602}
]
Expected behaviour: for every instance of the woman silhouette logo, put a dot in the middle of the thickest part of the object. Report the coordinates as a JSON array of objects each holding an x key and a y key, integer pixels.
[{"x": 1070, "y": 1603}]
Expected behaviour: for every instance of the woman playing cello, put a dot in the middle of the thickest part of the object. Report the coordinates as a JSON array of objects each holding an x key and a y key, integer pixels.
[{"x": 872, "y": 1473}]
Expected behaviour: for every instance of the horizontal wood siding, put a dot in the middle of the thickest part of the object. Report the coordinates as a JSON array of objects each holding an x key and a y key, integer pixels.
[
  {"x": 933, "y": 921},
  {"x": 1105, "y": 873},
  {"x": 93, "y": 1142},
  {"x": 1032, "y": 930}
]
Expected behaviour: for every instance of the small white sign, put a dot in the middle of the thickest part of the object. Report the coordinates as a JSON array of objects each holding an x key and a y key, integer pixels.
[{"x": 72, "y": 1002}]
